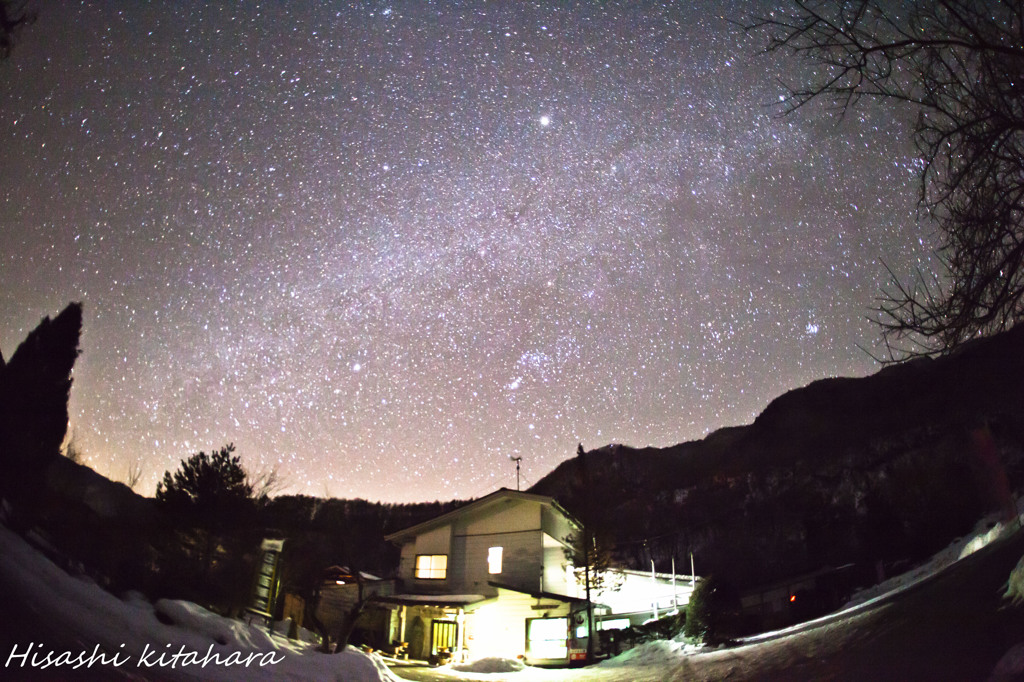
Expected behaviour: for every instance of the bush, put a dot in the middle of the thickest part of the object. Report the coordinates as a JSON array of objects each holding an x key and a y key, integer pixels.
[{"x": 712, "y": 612}]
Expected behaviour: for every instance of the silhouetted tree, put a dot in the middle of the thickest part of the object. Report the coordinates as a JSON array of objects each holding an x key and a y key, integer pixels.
[
  {"x": 959, "y": 66},
  {"x": 207, "y": 486},
  {"x": 209, "y": 501},
  {"x": 713, "y": 612},
  {"x": 34, "y": 389},
  {"x": 590, "y": 551},
  {"x": 593, "y": 563},
  {"x": 347, "y": 624},
  {"x": 13, "y": 16}
]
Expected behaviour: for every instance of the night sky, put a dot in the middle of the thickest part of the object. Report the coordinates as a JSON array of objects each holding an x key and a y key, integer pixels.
[{"x": 384, "y": 247}]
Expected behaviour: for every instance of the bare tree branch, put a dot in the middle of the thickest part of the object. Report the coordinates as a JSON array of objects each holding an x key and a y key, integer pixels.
[
  {"x": 134, "y": 473},
  {"x": 960, "y": 64}
]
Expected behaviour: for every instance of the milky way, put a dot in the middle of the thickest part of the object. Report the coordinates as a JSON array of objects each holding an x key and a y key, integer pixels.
[{"x": 383, "y": 248}]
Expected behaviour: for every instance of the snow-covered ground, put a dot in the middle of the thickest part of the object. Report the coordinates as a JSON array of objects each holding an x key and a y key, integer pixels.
[
  {"x": 166, "y": 640},
  {"x": 659, "y": 660},
  {"x": 172, "y": 639},
  {"x": 985, "y": 531}
]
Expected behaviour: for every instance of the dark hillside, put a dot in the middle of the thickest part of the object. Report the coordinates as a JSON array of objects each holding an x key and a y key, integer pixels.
[{"x": 873, "y": 471}]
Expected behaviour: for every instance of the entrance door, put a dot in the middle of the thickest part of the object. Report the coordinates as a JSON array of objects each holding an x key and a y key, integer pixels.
[
  {"x": 443, "y": 634},
  {"x": 417, "y": 639}
]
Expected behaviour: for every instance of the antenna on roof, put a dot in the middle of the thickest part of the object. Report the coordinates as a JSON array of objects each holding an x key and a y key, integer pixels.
[{"x": 517, "y": 460}]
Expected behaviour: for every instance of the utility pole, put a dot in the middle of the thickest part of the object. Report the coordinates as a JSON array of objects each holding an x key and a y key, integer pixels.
[
  {"x": 581, "y": 463},
  {"x": 517, "y": 460}
]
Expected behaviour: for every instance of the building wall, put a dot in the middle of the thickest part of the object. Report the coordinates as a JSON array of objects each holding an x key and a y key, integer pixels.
[
  {"x": 506, "y": 515},
  {"x": 513, "y": 525},
  {"x": 557, "y": 525},
  {"x": 457, "y": 569},
  {"x": 407, "y": 561},
  {"x": 436, "y": 541},
  {"x": 498, "y": 628},
  {"x": 521, "y": 560},
  {"x": 639, "y": 593},
  {"x": 558, "y": 577}
]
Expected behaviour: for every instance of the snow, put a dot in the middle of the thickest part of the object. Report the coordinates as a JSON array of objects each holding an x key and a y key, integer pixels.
[
  {"x": 133, "y": 628},
  {"x": 985, "y": 532},
  {"x": 655, "y": 660},
  {"x": 167, "y": 640},
  {"x": 490, "y": 665},
  {"x": 658, "y": 652},
  {"x": 283, "y": 627}
]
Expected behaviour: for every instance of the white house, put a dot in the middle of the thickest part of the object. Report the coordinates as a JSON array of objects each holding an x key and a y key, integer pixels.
[{"x": 492, "y": 578}]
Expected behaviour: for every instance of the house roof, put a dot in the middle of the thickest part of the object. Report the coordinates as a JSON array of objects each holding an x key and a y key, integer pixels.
[
  {"x": 475, "y": 506},
  {"x": 465, "y": 600},
  {"x": 450, "y": 600},
  {"x": 335, "y": 572}
]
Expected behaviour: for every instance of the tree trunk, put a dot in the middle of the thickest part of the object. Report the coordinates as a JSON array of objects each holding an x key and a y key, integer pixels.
[{"x": 348, "y": 623}]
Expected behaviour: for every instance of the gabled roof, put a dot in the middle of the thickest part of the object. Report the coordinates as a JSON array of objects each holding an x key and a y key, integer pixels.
[{"x": 478, "y": 505}]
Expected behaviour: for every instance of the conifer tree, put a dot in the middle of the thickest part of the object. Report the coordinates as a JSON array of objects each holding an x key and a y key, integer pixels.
[
  {"x": 210, "y": 503},
  {"x": 34, "y": 389}
]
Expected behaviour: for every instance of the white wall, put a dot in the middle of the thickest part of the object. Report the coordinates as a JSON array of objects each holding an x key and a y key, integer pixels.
[
  {"x": 557, "y": 526},
  {"x": 530, "y": 534},
  {"x": 436, "y": 541},
  {"x": 557, "y": 577},
  {"x": 638, "y": 592},
  {"x": 504, "y": 516},
  {"x": 520, "y": 561},
  {"x": 513, "y": 525},
  {"x": 499, "y": 628}
]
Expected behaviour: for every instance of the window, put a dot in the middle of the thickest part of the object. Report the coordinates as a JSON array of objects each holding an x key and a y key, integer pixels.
[
  {"x": 494, "y": 560},
  {"x": 547, "y": 637},
  {"x": 432, "y": 566},
  {"x": 614, "y": 624}
]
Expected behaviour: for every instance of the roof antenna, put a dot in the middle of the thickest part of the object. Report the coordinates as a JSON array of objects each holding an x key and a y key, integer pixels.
[{"x": 517, "y": 460}]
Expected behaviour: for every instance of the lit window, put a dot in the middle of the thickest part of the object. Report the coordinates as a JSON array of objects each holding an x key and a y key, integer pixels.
[
  {"x": 494, "y": 560},
  {"x": 614, "y": 624},
  {"x": 432, "y": 566},
  {"x": 547, "y": 637}
]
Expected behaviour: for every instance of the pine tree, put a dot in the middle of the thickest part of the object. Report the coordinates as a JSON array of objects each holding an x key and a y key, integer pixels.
[
  {"x": 700, "y": 612},
  {"x": 211, "y": 504}
]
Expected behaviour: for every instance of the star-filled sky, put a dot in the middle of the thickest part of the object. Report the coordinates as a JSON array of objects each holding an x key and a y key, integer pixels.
[{"x": 383, "y": 247}]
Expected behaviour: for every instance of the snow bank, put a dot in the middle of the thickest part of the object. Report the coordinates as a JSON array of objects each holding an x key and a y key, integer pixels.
[
  {"x": 985, "y": 532},
  {"x": 168, "y": 640},
  {"x": 181, "y": 634},
  {"x": 490, "y": 665},
  {"x": 283, "y": 627},
  {"x": 224, "y": 631},
  {"x": 658, "y": 652}
]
